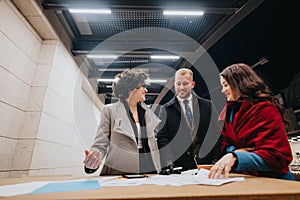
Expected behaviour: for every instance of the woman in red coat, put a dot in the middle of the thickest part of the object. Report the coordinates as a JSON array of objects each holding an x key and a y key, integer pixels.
[{"x": 254, "y": 137}]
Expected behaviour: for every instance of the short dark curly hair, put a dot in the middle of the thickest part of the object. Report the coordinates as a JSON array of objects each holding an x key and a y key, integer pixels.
[{"x": 128, "y": 81}]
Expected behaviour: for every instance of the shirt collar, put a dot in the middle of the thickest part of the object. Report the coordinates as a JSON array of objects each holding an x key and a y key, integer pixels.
[{"x": 181, "y": 99}]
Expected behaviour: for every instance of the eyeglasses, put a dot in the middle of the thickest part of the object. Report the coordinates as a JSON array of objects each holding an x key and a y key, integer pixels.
[{"x": 143, "y": 86}]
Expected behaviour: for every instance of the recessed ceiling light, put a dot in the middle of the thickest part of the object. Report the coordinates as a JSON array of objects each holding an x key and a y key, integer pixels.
[
  {"x": 155, "y": 81},
  {"x": 179, "y": 12},
  {"x": 147, "y": 80},
  {"x": 112, "y": 69},
  {"x": 164, "y": 57},
  {"x": 90, "y": 11},
  {"x": 107, "y": 79},
  {"x": 103, "y": 56}
]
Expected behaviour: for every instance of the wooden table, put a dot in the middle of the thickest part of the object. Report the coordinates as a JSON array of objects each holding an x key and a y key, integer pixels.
[{"x": 257, "y": 188}]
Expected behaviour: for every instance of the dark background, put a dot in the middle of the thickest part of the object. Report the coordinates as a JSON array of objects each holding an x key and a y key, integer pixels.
[{"x": 269, "y": 31}]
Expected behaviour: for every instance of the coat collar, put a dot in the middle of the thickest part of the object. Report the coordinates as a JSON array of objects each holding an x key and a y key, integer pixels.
[{"x": 121, "y": 116}]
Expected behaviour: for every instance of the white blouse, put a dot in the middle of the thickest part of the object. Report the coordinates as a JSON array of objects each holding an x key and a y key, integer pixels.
[{"x": 140, "y": 145}]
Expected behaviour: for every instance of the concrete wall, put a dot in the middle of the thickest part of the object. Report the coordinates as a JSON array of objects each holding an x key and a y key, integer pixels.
[{"x": 43, "y": 106}]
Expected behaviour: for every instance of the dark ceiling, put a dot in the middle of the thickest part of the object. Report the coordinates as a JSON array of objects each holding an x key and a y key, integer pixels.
[
  {"x": 257, "y": 32},
  {"x": 271, "y": 32}
]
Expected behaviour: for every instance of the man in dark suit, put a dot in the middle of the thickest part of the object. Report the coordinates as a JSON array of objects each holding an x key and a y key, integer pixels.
[{"x": 188, "y": 134}]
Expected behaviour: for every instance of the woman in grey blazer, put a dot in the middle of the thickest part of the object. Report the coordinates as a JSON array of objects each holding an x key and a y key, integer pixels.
[{"x": 125, "y": 137}]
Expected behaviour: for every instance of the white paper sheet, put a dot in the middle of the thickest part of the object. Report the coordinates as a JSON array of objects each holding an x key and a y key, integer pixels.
[
  {"x": 124, "y": 182},
  {"x": 188, "y": 178},
  {"x": 18, "y": 189},
  {"x": 185, "y": 178},
  {"x": 27, "y": 188}
]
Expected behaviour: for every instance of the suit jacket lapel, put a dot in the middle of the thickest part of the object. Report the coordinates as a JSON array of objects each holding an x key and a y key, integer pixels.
[
  {"x": 152, "y": 121},
  {"x": 176, "y": 104},
  {"x": 196, "y": 113}
]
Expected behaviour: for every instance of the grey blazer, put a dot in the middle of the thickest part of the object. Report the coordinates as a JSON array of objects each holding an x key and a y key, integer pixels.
[{"x": 116, "y": 140}]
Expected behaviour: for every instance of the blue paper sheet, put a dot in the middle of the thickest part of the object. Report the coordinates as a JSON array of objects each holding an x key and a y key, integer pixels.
[{"x": 68, "y": 186}]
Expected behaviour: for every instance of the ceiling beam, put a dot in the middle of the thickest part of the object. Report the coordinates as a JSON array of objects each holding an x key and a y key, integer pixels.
[{"x": 218, "y": 7}]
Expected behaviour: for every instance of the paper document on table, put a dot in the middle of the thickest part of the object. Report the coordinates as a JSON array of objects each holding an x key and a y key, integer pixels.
[
  {"x": 120, "y": 181},
  {"x": 191, "y": 177},
  {"x": 188, "y": 178},
  {"x": 185, "y": 178},
  {"x": 48, "y": 186},
  {"x": 203, "y": 174},
  {"x": 18, "y": 189}
]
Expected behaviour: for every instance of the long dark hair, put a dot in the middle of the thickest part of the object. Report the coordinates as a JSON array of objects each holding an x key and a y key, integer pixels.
[{"x": 244, "y": 80}]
